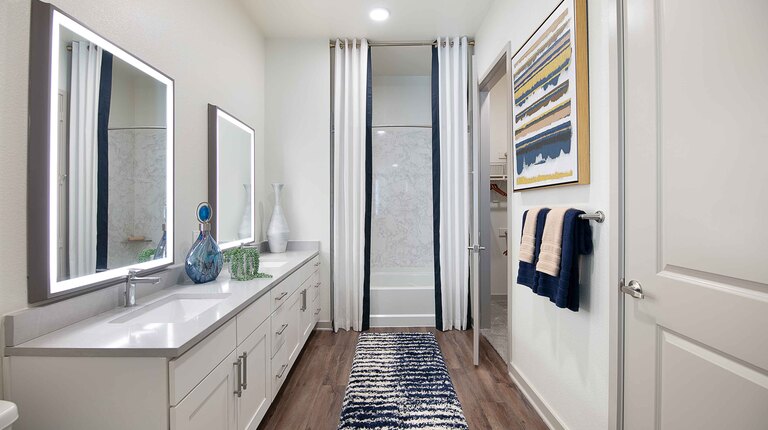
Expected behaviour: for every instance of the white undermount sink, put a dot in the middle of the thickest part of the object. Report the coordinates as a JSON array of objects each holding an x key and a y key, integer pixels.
[
  {"x": 271, "y": 264},
  {"x": 176, "y": 308}
]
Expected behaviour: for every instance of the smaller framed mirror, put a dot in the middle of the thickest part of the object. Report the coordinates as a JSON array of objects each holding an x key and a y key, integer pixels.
[{"x": 231, "y": 145}]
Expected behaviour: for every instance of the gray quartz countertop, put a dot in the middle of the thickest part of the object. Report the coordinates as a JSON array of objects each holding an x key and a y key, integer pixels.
[{"x": 101, "y": 336}]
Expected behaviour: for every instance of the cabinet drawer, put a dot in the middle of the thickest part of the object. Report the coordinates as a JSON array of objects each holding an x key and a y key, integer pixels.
[
  {"x": 280, "y": 368},
  {"x": 251, "y": 317},
  {"x": 185, "y": 372},
  {"x": 284, "y": 289},
  {"x": 280, "y": 323}
]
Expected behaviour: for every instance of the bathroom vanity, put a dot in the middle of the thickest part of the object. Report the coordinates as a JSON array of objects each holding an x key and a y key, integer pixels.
[{"x": 209, "y": 356}]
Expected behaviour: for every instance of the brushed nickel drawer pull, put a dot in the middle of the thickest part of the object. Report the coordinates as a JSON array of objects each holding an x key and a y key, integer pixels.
[
  {"x": 317, "y": 264},
  {"x": 244, "y": 357},
  {"x": 280, "y": 297},
  {"x": 317, "y": 311},
  {"x": 317, "y": 285},
  {"x": 282, "y": 329},
  {"x": 282, "y": 370}
]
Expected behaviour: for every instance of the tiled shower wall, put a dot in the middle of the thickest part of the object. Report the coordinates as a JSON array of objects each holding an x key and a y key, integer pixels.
[
  {"x": 137, "y": 172},
  {"x": 401, "y": 221}
]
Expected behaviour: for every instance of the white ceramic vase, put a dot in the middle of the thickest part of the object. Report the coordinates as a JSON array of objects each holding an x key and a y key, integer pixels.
[
  {"x": 277, "y": 232},
  {"x": 245, "y": 224}
]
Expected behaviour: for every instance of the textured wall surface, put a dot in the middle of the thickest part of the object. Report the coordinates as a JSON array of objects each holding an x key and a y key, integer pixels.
[{"x": 401, "y": 209}]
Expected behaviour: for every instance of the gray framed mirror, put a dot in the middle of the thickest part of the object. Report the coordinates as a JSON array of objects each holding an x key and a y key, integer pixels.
[
  {"x": 100, "y": 176},
  {"x": 231, "y": 178}
]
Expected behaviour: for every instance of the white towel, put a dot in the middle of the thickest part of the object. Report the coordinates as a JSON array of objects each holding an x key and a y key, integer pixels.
[
  {"x": 528, "y": 241},
  {"x": 551, "y": 243}
]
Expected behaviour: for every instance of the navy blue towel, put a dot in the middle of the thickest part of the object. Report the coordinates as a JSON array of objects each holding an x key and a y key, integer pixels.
[
  {"x": 563, "y": 290},
  {"x": 526, "y": 272}
]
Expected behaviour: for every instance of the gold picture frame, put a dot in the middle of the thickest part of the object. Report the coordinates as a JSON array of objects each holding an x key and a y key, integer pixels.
[{"x": 550, "y": 102}]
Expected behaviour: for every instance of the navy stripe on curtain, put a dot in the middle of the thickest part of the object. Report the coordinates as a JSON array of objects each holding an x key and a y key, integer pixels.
[
  {"x": 436, "y": 187},
  {"x": 102, "y": 168},
  {"x": 368, "y": 196}
]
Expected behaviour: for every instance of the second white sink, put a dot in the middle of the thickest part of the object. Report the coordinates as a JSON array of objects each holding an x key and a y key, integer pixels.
[
  {"x": 271, "y": 264},
  {"x": 176, "y": 308}
]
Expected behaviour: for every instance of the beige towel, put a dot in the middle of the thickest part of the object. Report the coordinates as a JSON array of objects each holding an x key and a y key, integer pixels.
[
  {"x": 528, "y": 241},
  {"x": 551, "y": 243}
]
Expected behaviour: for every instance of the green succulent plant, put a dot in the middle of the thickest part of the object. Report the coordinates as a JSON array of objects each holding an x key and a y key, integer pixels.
[{"x": 244, "y": 263}]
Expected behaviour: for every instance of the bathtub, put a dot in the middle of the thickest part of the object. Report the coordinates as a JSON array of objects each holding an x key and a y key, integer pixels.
[{"x": 402, "y": 297}]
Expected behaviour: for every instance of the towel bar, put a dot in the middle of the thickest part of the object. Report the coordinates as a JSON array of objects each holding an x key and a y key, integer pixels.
[{"x": 598, "y": 216}]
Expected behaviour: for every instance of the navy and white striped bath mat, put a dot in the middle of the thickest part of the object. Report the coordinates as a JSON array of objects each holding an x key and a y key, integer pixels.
[{"x": 399, "y": 381}]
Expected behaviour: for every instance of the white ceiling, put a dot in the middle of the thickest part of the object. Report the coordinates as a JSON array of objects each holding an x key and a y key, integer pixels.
[
  {"x": 409, "y": 19},
  {"x": 401, "y": 60}
]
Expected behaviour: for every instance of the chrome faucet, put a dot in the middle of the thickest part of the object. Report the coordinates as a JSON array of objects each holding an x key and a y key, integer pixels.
[{"x": 130, "y": 285}]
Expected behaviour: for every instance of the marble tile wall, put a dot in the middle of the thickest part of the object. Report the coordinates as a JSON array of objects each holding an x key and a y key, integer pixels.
[
  {"x": 401, "y": 221},
  {"x": 137, "y": 177}
]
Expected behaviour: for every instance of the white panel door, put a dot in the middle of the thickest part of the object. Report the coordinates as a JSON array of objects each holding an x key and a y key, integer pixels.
[
  {"x": 254, "y": 401},
  {"x": 696, "y": 350},
  {"x": 474, "y": 229},
  {"x": 211, "y": 405}
]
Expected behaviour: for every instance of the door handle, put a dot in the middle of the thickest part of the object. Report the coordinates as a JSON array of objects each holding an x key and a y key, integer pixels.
[
  {"x": 476, "y": 248},
  {"x": 633, "y": 288},
  {"x": 239, "y": 369},
  {"x": 282, "y": 370},
  {"x": 244, "y": 359},
  {"x": 282, "y": 329},
  {"x": 280, "y": 297}
]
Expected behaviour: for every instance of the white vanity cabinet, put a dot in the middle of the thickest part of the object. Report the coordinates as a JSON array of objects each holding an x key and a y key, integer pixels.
[
  {"x": 239, "y": 391},
  {"x": 227, "y": 380}
]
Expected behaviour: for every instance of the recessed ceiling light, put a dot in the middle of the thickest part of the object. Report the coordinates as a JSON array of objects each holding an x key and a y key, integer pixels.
[{"x": 379, "y": 14}]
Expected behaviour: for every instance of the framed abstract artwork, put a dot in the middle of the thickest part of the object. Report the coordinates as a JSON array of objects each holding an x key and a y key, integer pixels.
[{"x": 550, "y": 102}]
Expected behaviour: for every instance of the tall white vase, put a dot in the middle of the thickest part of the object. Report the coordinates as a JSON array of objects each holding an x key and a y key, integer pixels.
[
  {"x": 246, "y": 222},
  {"x": 277, "y": 232}
]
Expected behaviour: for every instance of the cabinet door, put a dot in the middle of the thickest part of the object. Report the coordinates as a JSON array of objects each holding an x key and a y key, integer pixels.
[
  {"x": 211, "y": 405},
  {"x": 307, "y": 313},
  {"x": 293, "y": 337},
  {"x": 256, "y": 376}
]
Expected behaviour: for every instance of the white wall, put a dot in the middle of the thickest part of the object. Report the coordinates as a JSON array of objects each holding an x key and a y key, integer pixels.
[
  {"x": 564, "y": 356},
  {"x": 498, "y": 140},
  {"x": 402, "y": 100},
  {"x": 298, "y": 142},
  {"x": 176, "y": 37}
]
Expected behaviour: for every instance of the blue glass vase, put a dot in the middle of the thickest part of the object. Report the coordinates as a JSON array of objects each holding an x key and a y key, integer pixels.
[{"x": 204, "y": 260}]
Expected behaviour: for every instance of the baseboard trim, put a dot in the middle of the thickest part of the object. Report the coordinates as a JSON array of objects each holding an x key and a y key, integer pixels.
[
  {"x": 324, "y": 326},
  {"x": 539, "y": 404}
]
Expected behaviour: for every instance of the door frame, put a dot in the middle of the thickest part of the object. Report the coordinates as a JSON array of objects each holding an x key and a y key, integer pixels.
[{"x": 498, "y": 70}]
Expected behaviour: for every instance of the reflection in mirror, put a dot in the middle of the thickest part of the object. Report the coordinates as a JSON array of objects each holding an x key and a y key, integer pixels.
[
  {"x": 231, "y": 178},
  {"x": 110, "y": 139}
]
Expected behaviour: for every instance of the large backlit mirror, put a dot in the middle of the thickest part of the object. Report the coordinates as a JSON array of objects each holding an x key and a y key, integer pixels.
[
  {"x": 100, "y": 160},
  {"x": 230, "y": 178}
]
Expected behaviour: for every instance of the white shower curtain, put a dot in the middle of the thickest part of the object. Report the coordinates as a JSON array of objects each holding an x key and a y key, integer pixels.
[
  {"x": 454, "y": 180},
  {"x": 83, "y": 157},
  {"x": 349, "y": 124}
]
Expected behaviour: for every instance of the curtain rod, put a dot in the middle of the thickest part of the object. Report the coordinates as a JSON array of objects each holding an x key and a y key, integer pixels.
[{"x": 406, "y": 43}]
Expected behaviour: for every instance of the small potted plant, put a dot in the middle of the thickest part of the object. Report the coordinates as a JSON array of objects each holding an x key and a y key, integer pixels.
[{"x": 243, "y": 263}]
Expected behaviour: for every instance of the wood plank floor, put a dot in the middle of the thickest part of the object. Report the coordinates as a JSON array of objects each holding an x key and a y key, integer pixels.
[{"x": 311, "y": 397}]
